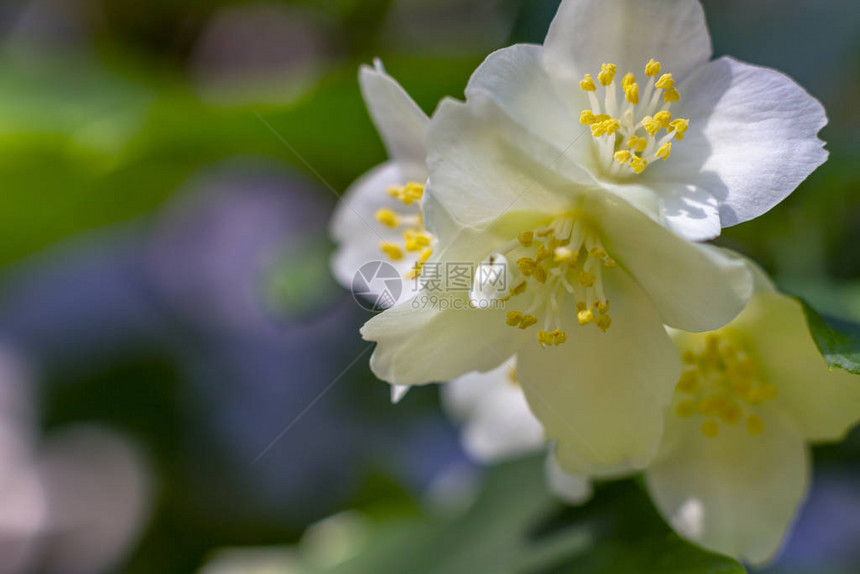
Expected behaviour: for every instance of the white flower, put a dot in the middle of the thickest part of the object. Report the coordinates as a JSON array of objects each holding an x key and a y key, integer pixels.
[
  {"x": 703, "y": 143},
  {"x": 497, "y": 425},
  {"x": 734, "y": 467},
  {"x": 573, "y": 249},
  {"x": 379, "y": 217}
]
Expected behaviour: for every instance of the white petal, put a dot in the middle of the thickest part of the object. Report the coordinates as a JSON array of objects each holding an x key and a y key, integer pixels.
[
  {"x": 483, "y": 165},
  {"x": 397, "y": 393},
  {"x": 433, "y": 338},
  {"x": 825, "y": 404},
  {"x": 571, "y": 488},
  {"x": 515, "y": 78},
  {"x": 600, "y": 396},
  {"x": 497, "y": 421},
  {"x": 401, "y": 123},
  {"x": 752, "y": 137},
  {"x": 735, "y": 494},
  {"x": 587, "y": 33},
  {"x": 356, "y": 231},
  {"x": 695, "y": 287}
]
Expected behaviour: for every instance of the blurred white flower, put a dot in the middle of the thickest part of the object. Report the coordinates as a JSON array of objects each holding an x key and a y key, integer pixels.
[
  {"x": 72, "y": 504},
  {"x": 380, "y": 216},
  {"x": 734, "y": 465},
  {"x": 622, "y": 96}
]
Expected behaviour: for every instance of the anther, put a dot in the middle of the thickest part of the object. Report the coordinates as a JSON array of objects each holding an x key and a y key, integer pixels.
[
  {"x": 607, "y": 74},
  {"x": 587, "y": 83},
  {"x": 622, "y": 156},
  {"x": 392, "y": 251},
  {"x": 528, "y": 321},
  {"x": 587, "y": 118},
  {"x": 388, "y": 218},
  {"x": 664, "y": 151},
  {"x": 631, "y": 93},
  {"x": 526, "y": 239},
  {"x": 514, "y": 318},
  {"x": 679, "y": 126},
  {"x": 671, "y": 96},
  {"x": 638, "y": 164},
  {"x": 637, "y": 143},
  {"x": 663, "y": 118},
  {"x": 652, "y": 68},
  {"x": 666, "y": 82}
]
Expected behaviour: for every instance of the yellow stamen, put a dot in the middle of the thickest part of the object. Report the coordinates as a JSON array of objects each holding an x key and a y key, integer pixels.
[
  {"x": 622, "y": 156},
  {"x": 671, "y": 96},
  {"x": 629, "y": 80},
  {"x": 528, "y": 321},
  {"x": 663, "y": 118},
  {"x": 607, "y": 74},
  {"x": 638, "y": 164},
  {"x": 664, "y": 151},
  {"x": 587, "y": 118},
  {"x": 514, "y": 318},
  {"x": 637, "y": 143},
  {"x": 652, "y": 68},
  {"x": 526, "y": 239},
  {"x": 679, "y": 126},
  {"x": 651, "y": 125},
  {"x": 666, "y": 82},
  {"x": 587, "y": 83},
  {"x": 391, "y": 250},
  {"x": 631, "y": 93},
  {"x": 388, "y": 218}
]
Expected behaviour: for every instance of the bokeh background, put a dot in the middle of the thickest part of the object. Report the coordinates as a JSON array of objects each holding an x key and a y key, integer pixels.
[{"x": 179, "y": 373}]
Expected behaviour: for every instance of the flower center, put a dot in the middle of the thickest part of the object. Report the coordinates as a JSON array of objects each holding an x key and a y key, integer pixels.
[
  {"x": 566, "y": 255},
  {"x": 721, "y": 383},
  {"x": 627, "y": 129},
  {"x": 416, "y": 239}
]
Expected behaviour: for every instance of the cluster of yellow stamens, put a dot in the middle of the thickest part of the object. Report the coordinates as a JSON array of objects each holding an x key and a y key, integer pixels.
[
  {"x": 416, "y": 239},
  {"x": 721, "y": 383},
  {"x": 628, "y": 134},
  {"x": 567, "y": 256}
]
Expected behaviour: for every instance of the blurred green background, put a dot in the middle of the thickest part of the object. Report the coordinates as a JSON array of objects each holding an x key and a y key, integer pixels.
[{"x": 167, "y": 170}]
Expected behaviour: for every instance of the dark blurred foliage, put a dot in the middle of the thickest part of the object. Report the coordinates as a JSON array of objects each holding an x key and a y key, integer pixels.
[{"x": 168, "y": 168}]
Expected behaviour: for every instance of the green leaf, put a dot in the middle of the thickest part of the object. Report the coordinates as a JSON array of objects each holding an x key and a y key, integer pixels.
[{"x": 840, "y": 348}]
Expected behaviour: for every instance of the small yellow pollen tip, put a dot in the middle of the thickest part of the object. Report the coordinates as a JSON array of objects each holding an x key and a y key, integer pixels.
[
  {"x": 528, "y": 321},
  {"x": 666, "y": 82},
  {"x": 607, "y": 74},
  {"x": 388, "y": 218},
  {"x": 663, "y": 118},
  {"x": 671, "y": 96},
  {"x": 587, "y": 83},
  {"x": 514, "y": 318},
  {"x": 392, "y": 251},
  {"x": 664, "y": 151},
  {"x": 585, "y": 316},
  {"x": 622, "y": 156},
  {"x": 637, "y": 144},
  {"x": 587, "y": 118},
  {"x": 680, "y": 127},
  {"x": 653, "y": 68},
  {"x": 638, "y": 164},
  {"x": 631, "y": 93}
]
